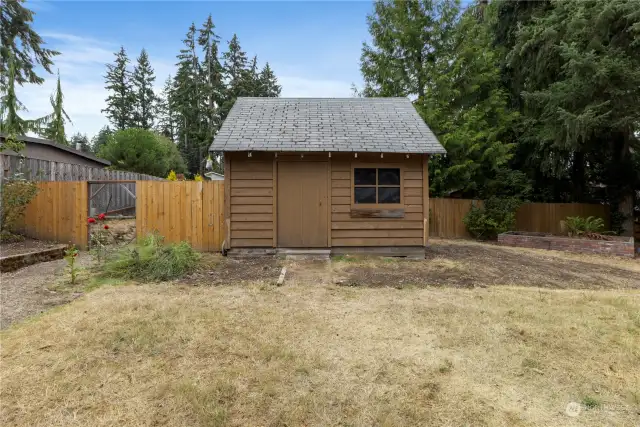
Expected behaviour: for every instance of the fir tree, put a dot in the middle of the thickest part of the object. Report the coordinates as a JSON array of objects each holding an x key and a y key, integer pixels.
[
  {"x": 235, "y": 63},
  {"x": 142, "y": 85},
  {"x": 20, "y": 41},
  {"x": 187, "y": 102},
  {"x": 212, "y": 84},
  {"x": 121, "y": 99},
  {"x": 11, "y": 124},
  {"x": 268, "y": 83},
  {"x": 166, "y": 125},
  {"x": 100, "y": 139},
  {"x": 249, "y": 80},
  {"x": 54, "y": 129}
]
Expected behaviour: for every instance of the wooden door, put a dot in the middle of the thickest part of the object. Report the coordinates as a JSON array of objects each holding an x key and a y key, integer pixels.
[{"x": 302, "y": 205}]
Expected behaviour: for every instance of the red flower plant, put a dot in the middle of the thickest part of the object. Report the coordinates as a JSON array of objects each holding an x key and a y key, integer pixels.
[
  {"x": 101, "y": 217},
  {"x": 106, "y": 227},
  {"x": 91, "y": 220}
]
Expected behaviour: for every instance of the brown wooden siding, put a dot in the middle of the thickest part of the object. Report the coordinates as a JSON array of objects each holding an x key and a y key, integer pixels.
[
  {"x": 251, "y": 205},
  {"x": 348, "y": 231}
]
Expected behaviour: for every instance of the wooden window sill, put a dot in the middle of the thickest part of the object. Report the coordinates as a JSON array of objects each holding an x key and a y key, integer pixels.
[{"x": 377, "y": 213}]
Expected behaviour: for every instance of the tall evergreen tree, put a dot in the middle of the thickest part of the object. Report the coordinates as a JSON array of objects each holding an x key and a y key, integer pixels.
[
  {"x": 235, "y": 63},
  {"x": 212, "y": 84},
  {"x": 268, "y": 83},
  {"x": 250, "y": 79},
  {"x": 54, "y": 129},
  {"x": 166, "y": 124},
  {"x": 121, "y": 99},
  {"x": 11, "y": 123},
  {"x": 142, "y": 86},
  {"x": 19, "y": 40},
  {"x": 187, "y": 102}
]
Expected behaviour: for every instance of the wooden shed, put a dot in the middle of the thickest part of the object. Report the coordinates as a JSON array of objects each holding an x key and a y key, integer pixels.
[{"x": 326, "y": 175}]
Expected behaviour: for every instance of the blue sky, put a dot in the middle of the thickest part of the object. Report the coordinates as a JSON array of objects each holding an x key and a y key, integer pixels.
[{"x": 313, "y": 47}]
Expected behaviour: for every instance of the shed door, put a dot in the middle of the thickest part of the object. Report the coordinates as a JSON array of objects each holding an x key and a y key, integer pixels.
[{"x": 302, "y": 204}]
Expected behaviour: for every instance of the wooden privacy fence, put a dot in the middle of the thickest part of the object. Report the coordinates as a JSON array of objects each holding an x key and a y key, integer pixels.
[
  {"x": 182, "y": 211},
  {"x": 58, "y": 213},
  {"x": 446, "y": 216}
]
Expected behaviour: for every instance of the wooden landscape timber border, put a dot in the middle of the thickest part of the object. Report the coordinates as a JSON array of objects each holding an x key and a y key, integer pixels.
[{"x": 195, "y": 212}]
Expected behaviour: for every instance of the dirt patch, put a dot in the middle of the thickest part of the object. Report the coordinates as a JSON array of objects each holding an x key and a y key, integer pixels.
[
  {"x": 34, "y": 289},
  {"x": 121, "y": 231},
  {"x": 216, "y": 270},
  {"x": 26, "y": 246},
  {"x": 468, "y": 264}
]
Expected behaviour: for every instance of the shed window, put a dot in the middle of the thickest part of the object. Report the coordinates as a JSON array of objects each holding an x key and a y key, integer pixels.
[{"x": 376, "y": 186}]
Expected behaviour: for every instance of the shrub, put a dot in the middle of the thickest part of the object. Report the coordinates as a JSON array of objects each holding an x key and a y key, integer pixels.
[
  {"x": 172, "y": 176},
  {"x": 579, "y": 226},
  {"x": 152, "y": 260},
  {"x": 495, "y": 217},
  {"x": 198, "y": 178},
  {"x": 16, "y": 195}
]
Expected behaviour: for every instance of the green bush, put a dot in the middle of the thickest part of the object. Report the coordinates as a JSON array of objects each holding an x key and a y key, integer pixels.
[
  {"x": 16, "y": 195},
  {"x": 152, "y": 260},
  {"x": 578, "y": 226},
  {"x": 496, "y": 216}
]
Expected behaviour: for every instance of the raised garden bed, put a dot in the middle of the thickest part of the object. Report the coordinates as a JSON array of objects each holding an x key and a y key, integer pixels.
[
  {"x": 14, "y": 256},
  {"x": 613, "y": 245}
]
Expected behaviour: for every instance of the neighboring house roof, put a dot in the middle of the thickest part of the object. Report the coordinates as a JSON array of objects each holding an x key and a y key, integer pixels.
[
  {"x": 326, "y": 124},
  {"x": 30, "y": 139}
]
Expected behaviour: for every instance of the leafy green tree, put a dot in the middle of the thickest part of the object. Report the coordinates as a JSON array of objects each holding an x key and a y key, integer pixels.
[
  {"x": 20, "y": 42},
  {"x": 268, "y": 83},
  {"x": 142, "y": 85},
  {"x": 142, "y": 151},
  {"x": 121, "y": 100},
  {"x": 54, "y": 129},
  {"x": 100, "y": 139},
  {"x": 410, "y": 43}
]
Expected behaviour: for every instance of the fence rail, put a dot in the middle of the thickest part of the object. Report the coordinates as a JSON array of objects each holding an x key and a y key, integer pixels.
[
  {"x": 446, "y": 216},
  {"x": 182, "y": 211},
  {"x": 194, "y": 212}
]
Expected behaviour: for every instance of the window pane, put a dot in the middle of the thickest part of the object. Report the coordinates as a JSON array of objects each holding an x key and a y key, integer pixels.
[
  {"x": 388, "y": 194},
  {"x": 365, "y": 194},
  {"x": 389, "y": 176},
  {"x": 364, "y": 176}
]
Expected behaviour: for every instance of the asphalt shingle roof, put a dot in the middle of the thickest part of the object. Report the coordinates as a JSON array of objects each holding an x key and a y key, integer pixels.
[{"x": 382, "y": 125}]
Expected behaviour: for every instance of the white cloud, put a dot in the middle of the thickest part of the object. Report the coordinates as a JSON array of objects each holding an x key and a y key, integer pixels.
[{"x": 82, "y": 68}]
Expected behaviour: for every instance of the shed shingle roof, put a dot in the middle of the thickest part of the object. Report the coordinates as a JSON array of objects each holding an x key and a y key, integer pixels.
[{"x": 383, "y": 125}]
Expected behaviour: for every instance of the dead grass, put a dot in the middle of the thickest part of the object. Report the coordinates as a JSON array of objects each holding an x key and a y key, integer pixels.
[{"x": 324, "y": 355}]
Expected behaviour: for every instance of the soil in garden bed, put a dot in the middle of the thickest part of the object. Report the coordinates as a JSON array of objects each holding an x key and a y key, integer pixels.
[{"x": 26, "y": 246}]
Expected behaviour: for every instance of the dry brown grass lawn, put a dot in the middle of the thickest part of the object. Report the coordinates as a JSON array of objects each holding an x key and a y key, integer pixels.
[{"x": 312, "y": 354}]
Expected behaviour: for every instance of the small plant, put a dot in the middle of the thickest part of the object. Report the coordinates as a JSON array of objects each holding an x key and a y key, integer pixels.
[
  {"x": 70, "y": 256},
  {"x": 590, "y": 402},
  {"x": 172, "y": 176},
  {"x": 198, "y": 178},
  {"x": 495, "y": 217},
  {"x": 152, "y": 260},
  {"x": 100, "y": 238},
  {"x": 16, "y": 195},
  {"x": 579, "y": 226}
]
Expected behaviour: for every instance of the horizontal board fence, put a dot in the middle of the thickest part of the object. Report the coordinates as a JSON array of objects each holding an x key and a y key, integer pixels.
[
  {"x": 446, "y": 215},
  {"x": 58, "y": 213},
  {"x": 45, "y": 170},
  {"x": 182, "y": 211}
]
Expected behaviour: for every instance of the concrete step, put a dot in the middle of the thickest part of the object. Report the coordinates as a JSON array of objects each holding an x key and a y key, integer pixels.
[{"x": 304, "y": 254}]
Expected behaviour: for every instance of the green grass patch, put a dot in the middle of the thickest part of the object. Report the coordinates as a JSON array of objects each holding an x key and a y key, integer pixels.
[{"x": 152, "y": 260}]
